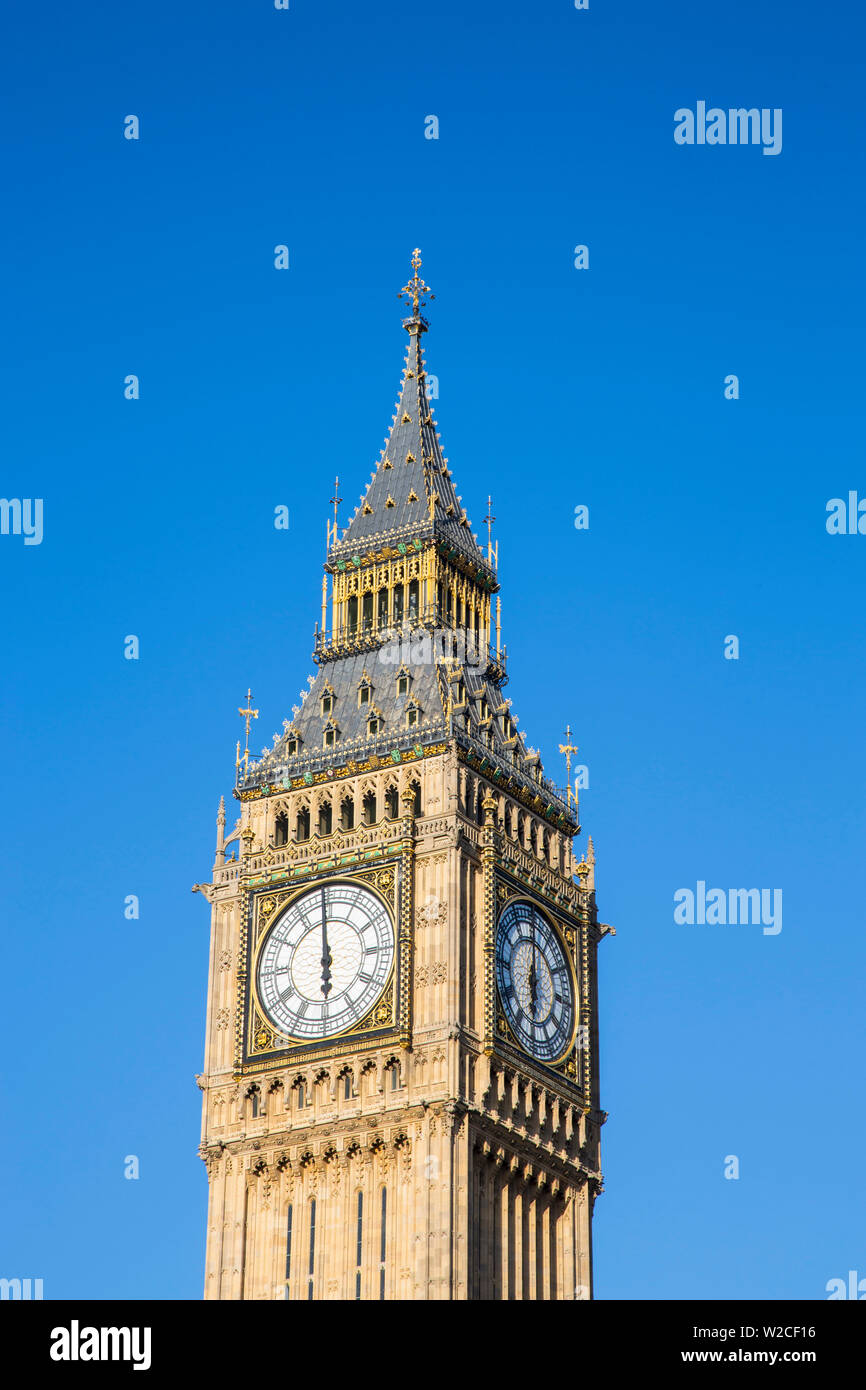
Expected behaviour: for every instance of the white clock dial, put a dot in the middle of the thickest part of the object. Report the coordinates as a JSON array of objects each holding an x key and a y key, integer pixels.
[
  {"x": 535, "y": 982},
  {"x": 325, "y": 961}
]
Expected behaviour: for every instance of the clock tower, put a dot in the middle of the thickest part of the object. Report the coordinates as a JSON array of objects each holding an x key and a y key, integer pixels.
[{"x": 400, "y": 1087}]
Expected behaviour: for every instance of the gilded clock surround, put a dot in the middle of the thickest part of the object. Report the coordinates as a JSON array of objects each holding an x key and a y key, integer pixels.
[{"x": 421, "y": 1153}]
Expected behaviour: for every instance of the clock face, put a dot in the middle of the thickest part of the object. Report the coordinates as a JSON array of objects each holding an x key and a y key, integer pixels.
[
  {"x": 325, "y": 961},
  {"x": 535, "y": 982}
]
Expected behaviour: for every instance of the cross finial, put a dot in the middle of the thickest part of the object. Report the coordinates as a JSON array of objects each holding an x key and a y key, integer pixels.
[
  {"x": 247, "y": 714},
  {"x": 335, "y": 502},
  {"x": 415, "y": 288},
  {"x": 489, "y": 520},
  {"x": 568, "y": 748}
]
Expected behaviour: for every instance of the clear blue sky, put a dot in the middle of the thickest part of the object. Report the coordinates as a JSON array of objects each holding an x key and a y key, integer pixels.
[{"x": 557, "y": 387}]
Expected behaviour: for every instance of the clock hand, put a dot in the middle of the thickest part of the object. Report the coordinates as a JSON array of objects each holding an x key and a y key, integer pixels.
[
  {"x": 326, "y": 954},
  {"x": 533, "y": 975}
]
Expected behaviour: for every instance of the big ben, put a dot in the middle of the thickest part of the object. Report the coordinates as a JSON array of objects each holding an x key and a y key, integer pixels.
[{"x": 400, "y": 1087}]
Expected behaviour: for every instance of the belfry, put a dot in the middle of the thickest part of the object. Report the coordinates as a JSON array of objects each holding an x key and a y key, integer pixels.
[{"x": 400, "y": 1086}]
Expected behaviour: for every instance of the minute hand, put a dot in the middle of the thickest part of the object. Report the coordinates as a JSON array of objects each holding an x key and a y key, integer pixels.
[{"x": 326, "y": 954}]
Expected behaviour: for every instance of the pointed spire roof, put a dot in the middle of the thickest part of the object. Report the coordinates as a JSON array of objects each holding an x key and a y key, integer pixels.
[{"x": 411, "y": 495}]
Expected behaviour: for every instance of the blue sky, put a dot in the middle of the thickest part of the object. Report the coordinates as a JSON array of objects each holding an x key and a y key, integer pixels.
[{"x": 557, "y": 387}]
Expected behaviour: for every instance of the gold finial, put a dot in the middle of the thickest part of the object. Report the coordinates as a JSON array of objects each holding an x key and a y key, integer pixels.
[
  {"x": 568, "y": 748},
  {"x": 247, "y": 714},
  {"x": 415, "y": 288}
]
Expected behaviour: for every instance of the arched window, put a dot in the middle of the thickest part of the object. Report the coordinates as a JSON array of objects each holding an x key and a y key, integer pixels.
[
  {"x": 370, "y": 808},
  {"x": 415, "y": 789},
  {"x": 508, "y": 820},
  {"x": 395, "y": 1076},
  {"x": 325, "y": 818},
  {"x": 398, "y": 603},
  {"x": 383, "y": 1242},
  {"x": 255, "y": 1100},
  {"x": 302, "y": 1094},
  {"x": 347, "y": 1086},
  {"x": 281, "y": 830},
  {"x": 359, "y": 1244},
  {"x": 392, "y": 803},
  {"x": 413, "y": 599},
  {"x": 353, "y": 616},
  {"x": 479, "y": 807},
  {"x": 302, "y": 831},
  {"x": 347, "y": 813},
  {"x": 312, "y": 1247},
  {"x": 533, "y": 837},
  {"x": 289, "y": 1251}
]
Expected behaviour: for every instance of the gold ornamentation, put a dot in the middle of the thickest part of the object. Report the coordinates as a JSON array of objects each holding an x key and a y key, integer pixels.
[
  {"x": 415, "y": 289},
  {"x": 247, "y": 714},
  {"x": 568, "y": 748}
]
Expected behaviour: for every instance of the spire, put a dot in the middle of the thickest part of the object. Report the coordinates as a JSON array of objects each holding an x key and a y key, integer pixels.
[{"x": 411, "y": 495}]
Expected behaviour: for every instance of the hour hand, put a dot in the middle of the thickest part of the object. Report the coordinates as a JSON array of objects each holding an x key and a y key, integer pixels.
[
  {"x": 533, "y": 986},
  {"x": 326, "y": 973}
]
